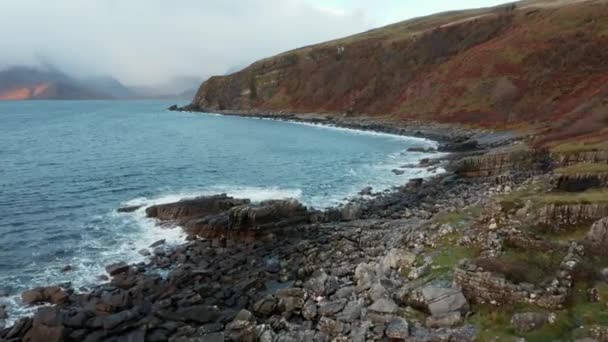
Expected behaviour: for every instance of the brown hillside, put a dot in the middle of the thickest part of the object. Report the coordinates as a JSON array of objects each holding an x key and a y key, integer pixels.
[{"x": 540, "y": 64}]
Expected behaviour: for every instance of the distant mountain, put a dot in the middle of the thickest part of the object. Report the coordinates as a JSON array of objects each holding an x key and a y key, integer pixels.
[
  {"x": 26, "y": 83},
  {"x": 177, "y": 88},
  {"x": 110, "y": 86}
]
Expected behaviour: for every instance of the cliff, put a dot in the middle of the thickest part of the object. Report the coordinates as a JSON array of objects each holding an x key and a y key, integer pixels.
[{"x": 536, "y": 65}]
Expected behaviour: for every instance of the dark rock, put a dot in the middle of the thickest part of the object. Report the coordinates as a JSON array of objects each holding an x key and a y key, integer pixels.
[
  {"x": 398, "y": 329},
  {"x": 67, "y": 268},
  {"x": 201, "y": 206},
  {"x": 157, "y": 243},
  {"x": 128, "y": 209},
  {"x": 51, "y": 294},
  {"x": 398, "y": 172},
  {"x": 422, "y": 149},
  {"x": 330, "y": 308},
  {"x": 117, "y": 268},
  {"x": 367, "y": 191},
  {"x": 173, "y": 107}
]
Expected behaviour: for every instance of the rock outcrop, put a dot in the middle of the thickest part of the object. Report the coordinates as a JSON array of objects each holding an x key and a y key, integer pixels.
[
  {"x": 581, "y": 181},
  {"x": 558, "y": 215},
  {"x": 596, "y": 239},
  {"x": 224, "y": 217}
]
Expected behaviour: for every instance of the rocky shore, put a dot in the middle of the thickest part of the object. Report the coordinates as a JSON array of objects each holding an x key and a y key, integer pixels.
[{"x": 425, "y": 262}]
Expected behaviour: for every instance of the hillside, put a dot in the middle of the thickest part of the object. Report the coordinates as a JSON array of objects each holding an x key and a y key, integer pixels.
[{"x": 537, "y": 65}]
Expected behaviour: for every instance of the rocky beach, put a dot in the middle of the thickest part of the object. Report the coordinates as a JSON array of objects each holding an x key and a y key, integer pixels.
[{"x": 428, "y": 261}]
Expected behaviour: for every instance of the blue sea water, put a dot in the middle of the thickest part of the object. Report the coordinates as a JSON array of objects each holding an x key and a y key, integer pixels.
[{"x": 65, "y": 166}]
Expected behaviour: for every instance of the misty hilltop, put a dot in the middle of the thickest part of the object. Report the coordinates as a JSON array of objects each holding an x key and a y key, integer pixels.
[{"x": 30, "y": 83}]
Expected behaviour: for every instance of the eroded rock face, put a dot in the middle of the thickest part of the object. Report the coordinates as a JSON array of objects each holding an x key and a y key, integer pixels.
[
  {"x": 221, "y": 216},
  {"x": 572, "y": 214}
]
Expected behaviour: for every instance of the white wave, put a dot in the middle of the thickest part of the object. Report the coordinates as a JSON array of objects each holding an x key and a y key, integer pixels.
[
  {"x": 255, "y": 194},
  {"x": 425, "y": 141}
]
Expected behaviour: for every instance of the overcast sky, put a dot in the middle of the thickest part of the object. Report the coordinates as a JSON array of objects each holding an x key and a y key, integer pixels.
[{"x": 150, "y": 41}]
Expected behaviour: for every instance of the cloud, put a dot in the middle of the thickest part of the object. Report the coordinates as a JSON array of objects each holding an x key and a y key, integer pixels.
[{"x": 150, "y": 41}]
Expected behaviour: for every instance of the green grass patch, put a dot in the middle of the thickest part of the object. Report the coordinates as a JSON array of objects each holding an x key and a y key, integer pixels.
[
  {"x": 571, "y": 234},
  {"x": 574, "y": 147},
  {"x": 494, "y": 324},
  {"x": 458, "y": 218},
  {"x": 536, "y": 195},
  {"x": 582, "y": 168},
  {"x": 589, "y": 196},
  {"x": 524, "y": 266}
]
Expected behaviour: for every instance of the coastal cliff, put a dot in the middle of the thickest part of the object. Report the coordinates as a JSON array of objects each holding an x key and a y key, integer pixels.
[{"x": 537, "y": 65}]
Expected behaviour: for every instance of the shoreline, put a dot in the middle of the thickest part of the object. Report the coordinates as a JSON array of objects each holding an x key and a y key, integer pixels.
[
  {"x": 402, "y": 210},
  {"x": 450, "y": 137}
]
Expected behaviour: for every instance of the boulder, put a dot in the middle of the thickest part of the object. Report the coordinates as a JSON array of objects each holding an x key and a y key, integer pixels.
[
  {"x": 441, "y": 301},
  {"x": 397, "y": 329},
  {"x": 47, "y": 326},
  {"x": 397, "y": 258},
  {"x": 365, "y": 275},
  {"x": 596, "y": 239},
  {"x": 51, "y": 294},
  {"x": 528, "y": 321},
  {"x": 330, "y": 308},
  {"x": 117, "y": 268},
  {"x": 384, "y": 306}
]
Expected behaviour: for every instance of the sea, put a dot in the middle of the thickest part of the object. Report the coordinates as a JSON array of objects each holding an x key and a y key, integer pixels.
[{"x": 66, "y": 166}]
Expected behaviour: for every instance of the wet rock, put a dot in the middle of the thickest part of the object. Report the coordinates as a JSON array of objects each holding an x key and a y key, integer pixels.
[
  {"x": 51, "y": 294},
  {"x": 397, "y": 329},
  {"x": 144, "y": 252},
  {"x": 46, "y": 326},
  {"x": 367, "y": 191},
  {"x": 422, "y": 149},
  {"x": 200, "y": 206},
  {"x": 157, "y": 243},
  {"x": 67, "y": 268},
  {"x": 119, "y": 267},
  {"x": 173, "y": 107},
  {"x": 528, "y": 321},
  {"x": 128, "y": 209},
  {"x": 3, "y": 314},
  {"x": 398, "y": 172}
]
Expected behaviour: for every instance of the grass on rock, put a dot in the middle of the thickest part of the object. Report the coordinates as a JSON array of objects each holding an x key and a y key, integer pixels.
[{"x": 582, "y": 168}]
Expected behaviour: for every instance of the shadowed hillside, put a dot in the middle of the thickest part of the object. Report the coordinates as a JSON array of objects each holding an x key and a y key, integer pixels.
[{"x": 539, "y": 64}]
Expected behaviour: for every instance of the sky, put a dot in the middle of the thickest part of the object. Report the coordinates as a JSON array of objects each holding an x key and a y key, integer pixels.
[{"x": 149, "y": 42}]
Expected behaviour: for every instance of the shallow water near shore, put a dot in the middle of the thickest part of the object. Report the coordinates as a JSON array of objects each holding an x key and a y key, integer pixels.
[{"x": 65, "y": 166}]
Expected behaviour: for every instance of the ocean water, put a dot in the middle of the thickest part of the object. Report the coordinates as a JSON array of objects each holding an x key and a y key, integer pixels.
[{"x": 66, "y": 166}]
